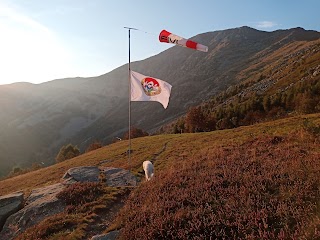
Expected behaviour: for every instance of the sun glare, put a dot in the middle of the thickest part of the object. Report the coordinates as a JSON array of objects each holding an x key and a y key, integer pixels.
[{"x": 29, "y": 52}]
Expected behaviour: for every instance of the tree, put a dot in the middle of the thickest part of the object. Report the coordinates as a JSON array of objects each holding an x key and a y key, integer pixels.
[
  {"x": 93, "y": 146},
  {"x": 179, "y": 126},
  {"x": 175, "y": 129},
  {"x": 266, "y": 103},
  {"x": 210, "y": 123},
  {"x": 67, "y": 152},
  {"x": 195, "y": 120},
  {"x": 306, "y": 102},
  {"x": 16, "y": 170},
  {"x": 36, "y": 166},
  {"x": 224, "y": 123},
  {"x": 135, "y": 133},
  {"x": 252, "y": 117}
]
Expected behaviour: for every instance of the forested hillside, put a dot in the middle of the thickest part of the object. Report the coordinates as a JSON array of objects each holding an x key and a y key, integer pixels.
[{"x": 287, "y": 83}]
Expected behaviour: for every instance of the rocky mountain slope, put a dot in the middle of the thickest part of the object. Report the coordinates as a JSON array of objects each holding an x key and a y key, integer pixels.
[{"x": 37, "y": 120}]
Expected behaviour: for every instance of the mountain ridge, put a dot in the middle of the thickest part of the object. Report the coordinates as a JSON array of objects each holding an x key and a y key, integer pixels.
[{"x": 40, "y": 118}]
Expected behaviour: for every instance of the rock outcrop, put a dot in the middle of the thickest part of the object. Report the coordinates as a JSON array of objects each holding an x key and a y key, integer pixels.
[
  {"x": 81, "y": 174},
  {"x": 109, "y": 236},
  {"x": 10, "y": 204},
  {"x": 117, "y": 177},
  {"x": 43, "y": 202}
]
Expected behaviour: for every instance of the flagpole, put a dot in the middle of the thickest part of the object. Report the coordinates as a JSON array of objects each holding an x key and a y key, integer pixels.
[{"x": 129, "y": 97}]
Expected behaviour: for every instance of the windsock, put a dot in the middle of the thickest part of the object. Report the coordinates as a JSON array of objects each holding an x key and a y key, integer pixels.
[{"x": 168, "y": 37}]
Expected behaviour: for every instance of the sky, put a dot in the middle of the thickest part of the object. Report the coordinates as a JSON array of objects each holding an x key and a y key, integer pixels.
[{"x": 43, "y": 40}]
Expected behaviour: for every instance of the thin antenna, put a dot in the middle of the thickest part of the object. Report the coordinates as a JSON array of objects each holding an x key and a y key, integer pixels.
[
  {"x": 131, "y": 28},
  {"x": 140, "y": 30}
]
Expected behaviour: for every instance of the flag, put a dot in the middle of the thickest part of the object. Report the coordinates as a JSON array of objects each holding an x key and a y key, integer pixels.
[{"x": 144, "y": 88}]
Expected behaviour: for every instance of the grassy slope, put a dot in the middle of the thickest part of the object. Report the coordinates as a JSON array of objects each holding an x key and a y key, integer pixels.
[
  {"x": 178, "y": 146},
  {"x": 165, "y": 150},
  {"x": 258, "y": 182}
]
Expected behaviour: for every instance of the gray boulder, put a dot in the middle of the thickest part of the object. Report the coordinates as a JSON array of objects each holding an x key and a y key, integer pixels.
[
  {"x": 109, "y": 236},
  {"x": 117, "y": 177},
  {"x": 10, "y": 204},
  {"x": 42, "y": 203},
  {"x": 81, "y": 174}
]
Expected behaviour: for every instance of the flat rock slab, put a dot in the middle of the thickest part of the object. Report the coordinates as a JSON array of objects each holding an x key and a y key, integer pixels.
[
  {"x": 109, "y": 236},
  {"x": 42, "y": 203},
  {"x": 10, "y": 204},
  {"x": 48, "y": 193},
  {"x": 118, "y": 177},
  {"x": 81, "y": 174}
]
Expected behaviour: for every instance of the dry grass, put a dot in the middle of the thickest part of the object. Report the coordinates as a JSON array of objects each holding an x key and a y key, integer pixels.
[
  {"x": 268, "y": 172},
  {"x": 86, "y": 213},
  {"x": 178, "y": 145},
  {"x": 265, "y": 188}
]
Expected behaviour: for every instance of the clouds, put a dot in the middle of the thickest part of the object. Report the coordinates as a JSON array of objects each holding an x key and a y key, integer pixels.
[
  {"x": 266, "y": 24},
  {"x": 11, "y": 17}
]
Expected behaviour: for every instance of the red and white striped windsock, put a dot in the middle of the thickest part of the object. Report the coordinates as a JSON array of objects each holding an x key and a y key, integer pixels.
[{"x": 168, "y": 37}]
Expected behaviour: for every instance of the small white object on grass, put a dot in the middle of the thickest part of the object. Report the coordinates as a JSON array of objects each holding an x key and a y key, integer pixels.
[{"x": 148, "y": 170}]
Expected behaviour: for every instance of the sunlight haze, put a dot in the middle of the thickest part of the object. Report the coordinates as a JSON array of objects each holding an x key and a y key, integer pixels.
[{"x": 46, "y": 40}]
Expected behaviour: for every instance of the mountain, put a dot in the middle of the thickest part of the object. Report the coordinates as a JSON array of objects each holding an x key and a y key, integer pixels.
[
  {"x": 278, "y": 84},
  {"x": 37, "y": 120}
]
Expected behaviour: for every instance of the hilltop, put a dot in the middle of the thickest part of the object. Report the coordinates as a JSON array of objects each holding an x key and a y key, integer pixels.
[
  {"x": 37, "y": 120},
  {"x": 258, "y": 180}
]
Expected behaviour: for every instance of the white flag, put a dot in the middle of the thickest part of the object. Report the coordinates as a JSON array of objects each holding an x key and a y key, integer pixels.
[{"x": 144, "y": 88}]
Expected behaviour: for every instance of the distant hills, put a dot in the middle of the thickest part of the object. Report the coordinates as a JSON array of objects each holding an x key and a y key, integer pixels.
[{"x": 36, "y": 120}]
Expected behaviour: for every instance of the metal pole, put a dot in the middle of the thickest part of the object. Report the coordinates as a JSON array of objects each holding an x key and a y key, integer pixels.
[
  {"x": 129, "y": 77},
  {"x": 129, "y": 106}
]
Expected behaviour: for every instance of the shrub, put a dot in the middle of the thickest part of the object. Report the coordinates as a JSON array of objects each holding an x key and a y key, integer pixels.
[
  {"x": 80, "y": 193},
  {"x": 311, "y": 127},
  {"x": 67, "y": 152},
  {"x": 59, "y": 226},
  {"x": 93, "y": 146},
  {"x": 135, "y": 133},
  {"x": 80, "y": 219},
  {"x": 264, "y": 189},
  {"x": 17, "y": 171}
]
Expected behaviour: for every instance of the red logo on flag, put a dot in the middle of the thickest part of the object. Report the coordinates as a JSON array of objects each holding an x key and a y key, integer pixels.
[{"x": 150, "y": 86}]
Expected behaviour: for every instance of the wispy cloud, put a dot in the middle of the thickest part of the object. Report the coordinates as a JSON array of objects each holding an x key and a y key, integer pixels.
[
  {"x": 266, "y": 24},
  {"x": 10, "y": 16}
]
